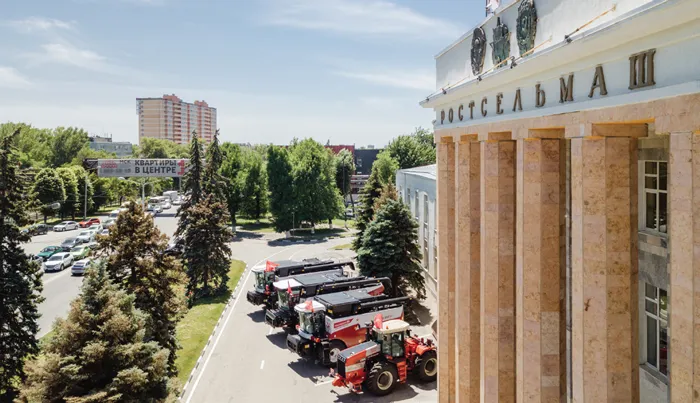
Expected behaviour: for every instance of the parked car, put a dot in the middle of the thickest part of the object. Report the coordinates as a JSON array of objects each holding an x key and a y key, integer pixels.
[
  {"x": 86, "y": 236},
  {"x": 58, "y": 262},
  {"x": 49, "y": 251},
  {"x": 95, "y": 227},
  {"x": 166, "y": 205},
  {"x": 92, "y": 245},
  {"x": 175, "y": 247},
  {"x": 80, "y": 266},
  {"x": 65, "y": 226},
  {"x": 70, "y": 243},
  {"x": 80, "y": 252},
  {"x": 89, "y": 222},
  {"x": 108, "y": 222},
  {"x": 153, "y": 209},
  {"x": 104, "y": 232},
  {"x": 37, "y": 229},
  {"x": 177, "y": 201}
]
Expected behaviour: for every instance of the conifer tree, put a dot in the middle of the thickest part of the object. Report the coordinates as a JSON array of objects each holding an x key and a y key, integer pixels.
[
  {"x": 193, "y": 183},
  {"x": 369, "y": 193},
  {"x": 20, "y": 278},
  {"x": 213, "y": 181},
  {"x": 387, "y": 194},
  {"x": 206, "y": 251},
  {"x": 135, "y": 263},
  {"x": 390, "y": 249},
  {"x": 281, "y": 186},
  {"x": 231, "y": 170},
  {"x": 99, "y": 353}
]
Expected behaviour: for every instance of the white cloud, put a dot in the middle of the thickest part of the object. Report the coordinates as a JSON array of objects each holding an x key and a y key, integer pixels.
[
  {"x": 38, "y": 24},
  {"x": 364, "y": 17},
  {"x": 70, "y": 55},
  {"x": 414, "y": 80},
  {"x": 11, "y": 78}
]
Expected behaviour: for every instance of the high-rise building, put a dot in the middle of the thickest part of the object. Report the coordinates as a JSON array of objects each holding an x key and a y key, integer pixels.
[{"x": 172, "y": 119}]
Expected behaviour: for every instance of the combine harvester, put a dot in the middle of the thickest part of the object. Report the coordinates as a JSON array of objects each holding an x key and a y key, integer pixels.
[
  {"x": 265, "y": 276},
  {"x": 293, "y": 290},
  {"x": 330, "y": 323}
]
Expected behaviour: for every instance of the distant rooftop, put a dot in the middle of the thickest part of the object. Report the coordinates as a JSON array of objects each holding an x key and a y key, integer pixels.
[{"x": 426, "y": 171}]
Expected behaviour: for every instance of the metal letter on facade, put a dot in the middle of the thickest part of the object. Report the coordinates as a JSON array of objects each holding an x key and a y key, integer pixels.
[
  {"x": 526, "y": 28},
  {"x": 642, "y": 69},
  {"x": 478, "y": 50},
  {"x": 501, "y": 43}
]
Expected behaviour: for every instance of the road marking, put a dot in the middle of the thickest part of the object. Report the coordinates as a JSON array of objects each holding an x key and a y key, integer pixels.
[
  {"x": 262, "y": 364},
  {"x": 221, "y": 331}
]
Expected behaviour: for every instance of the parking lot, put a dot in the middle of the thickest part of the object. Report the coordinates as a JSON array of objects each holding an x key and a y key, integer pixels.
[{"x": 60, "y": 287}]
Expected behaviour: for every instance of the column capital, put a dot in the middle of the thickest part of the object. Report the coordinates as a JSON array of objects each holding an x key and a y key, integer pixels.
[
  {"x": 634, "y": 130},
  {"x": 446, "y": 140},
  {"x": 468, "y": 138},
  {"x": 496, "y": 136},
  {"x": 684, "y": 122},
  {"x": 545, "y": 133}
]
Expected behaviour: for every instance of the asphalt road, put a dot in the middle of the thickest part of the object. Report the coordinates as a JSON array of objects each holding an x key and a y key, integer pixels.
[
  {"x": 248, "y": 361},
  {"x": 60, "y": 288}
]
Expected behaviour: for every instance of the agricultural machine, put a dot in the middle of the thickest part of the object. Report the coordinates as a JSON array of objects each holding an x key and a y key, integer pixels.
[
  {"x": 385, "y": 359},
  {"x": 330, "y": 323}
]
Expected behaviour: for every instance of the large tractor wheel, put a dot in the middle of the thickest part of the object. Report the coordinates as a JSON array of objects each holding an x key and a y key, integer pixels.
[
  {"x": 382, "y": 379},
  {"x": 427, "y": 367}
]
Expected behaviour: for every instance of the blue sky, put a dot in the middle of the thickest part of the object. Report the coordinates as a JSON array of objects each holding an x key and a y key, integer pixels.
[{"x": 348, "y": 71}]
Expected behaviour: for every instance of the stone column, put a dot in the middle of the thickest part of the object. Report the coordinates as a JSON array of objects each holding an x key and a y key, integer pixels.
[
  {"x": 605, "y": 356},
  {"x": 497, "y": 269},
  {"x": 446, "y": 269},
  {"x": 539, "y": 259},
  {"x": 467, "y": 270},
  {"x": 684, "y": 243}
]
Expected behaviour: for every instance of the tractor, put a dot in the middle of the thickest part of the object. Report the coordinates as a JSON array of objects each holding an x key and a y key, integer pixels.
[{"x": 385, "y": 359}]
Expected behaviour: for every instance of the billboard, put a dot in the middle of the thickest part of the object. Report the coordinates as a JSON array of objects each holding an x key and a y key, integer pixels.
[{"x": 157, "y": 167}]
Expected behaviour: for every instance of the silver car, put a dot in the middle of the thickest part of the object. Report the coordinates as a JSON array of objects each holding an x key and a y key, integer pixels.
[
  {"x": 86, "y": 236},
  {"x": 65, "y": 226},
  {"x": 58, "y": 262},
  {"x": 80, "y": 266}
]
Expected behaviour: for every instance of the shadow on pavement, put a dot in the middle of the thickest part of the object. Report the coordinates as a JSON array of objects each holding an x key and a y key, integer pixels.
[
  {"x": 279, "y": 339},
  {"x": 316, "y": 373},
  {"x": 418, "y": 315},
  {"x": 257, "y": 316},
  {"x": 241, "y": 235},
  {"x": 285, "y": 242},
  {"x": 402, "y": 392}
]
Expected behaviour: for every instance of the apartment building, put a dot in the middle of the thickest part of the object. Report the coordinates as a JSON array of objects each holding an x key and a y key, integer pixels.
[
  {"x": 172, "y": 119},
  {"x": 568, "y": 186}
]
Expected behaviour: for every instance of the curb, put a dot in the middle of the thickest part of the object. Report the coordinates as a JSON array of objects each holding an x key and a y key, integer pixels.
[
  {"x": 233, "y": 297},
  {"x": 304, "y": 240}
]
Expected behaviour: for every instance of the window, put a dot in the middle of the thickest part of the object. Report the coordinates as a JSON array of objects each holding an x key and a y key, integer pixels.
[
  {"x": 408, "y": 198},
  {"x": 435, "y": 254},
  {"x": 425, "y": 232},
  {"x": 655, "y": 195},
  {"x": 656, "y": 309},
  {"x": 416, "y": 206}
]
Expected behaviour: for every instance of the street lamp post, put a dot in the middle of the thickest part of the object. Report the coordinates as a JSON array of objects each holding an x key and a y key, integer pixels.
[
  {"x": 143, "y": 190},
  {"x": 85, "y": 206}
]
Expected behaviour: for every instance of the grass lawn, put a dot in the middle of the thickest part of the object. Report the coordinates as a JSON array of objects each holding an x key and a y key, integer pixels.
[
  {"x": 248, "y": 224},
  {"x": 339, "y": 222},
  {"x": 343, "y": 246},
  {"x": 194, "y": 329}
]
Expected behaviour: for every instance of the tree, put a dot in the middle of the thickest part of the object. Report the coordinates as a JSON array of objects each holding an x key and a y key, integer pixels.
[
  {"x": 33, "y": 145},
  {"x": 136, "y": 264},
  {"x": 254, "y": 203},
  {"x": 48, "y": 189},
  {"x": 425, "y": 137},
  {"x": 214, "y": 182},
  {"x": 161, "y": 148},
  {"x": 344, "y": 169},
  {"x": 66, "y": 144},
  {"x": 206, "y": 251},
  {"x": 316, "y": 196},
  {"x": 20, "y": 278},
  {"x": 193, "y": 183},
  {"x": 99, "y": 353},
  {"x": 387, "y": 194},
  {"x": 412, "y": 150},
  {"x": 231, "y": 171},
  {"x": 87, "y": 152},
  {"x": 390, "y": 249},
  {"x": 70, "y": 184},
  {"x": 281, "y": 186},
  {"x": 82, "y": 177},
  {"x": 369, "y": 193},
  {"x": 385, "y": 166}
]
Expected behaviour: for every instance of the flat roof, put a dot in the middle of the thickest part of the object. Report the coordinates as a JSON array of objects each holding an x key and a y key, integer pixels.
[
  {"x": 345, "y": 297},
  {"x": 426, "y": 171}
]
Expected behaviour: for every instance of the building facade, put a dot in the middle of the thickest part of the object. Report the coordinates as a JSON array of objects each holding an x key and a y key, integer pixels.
[
  {"x": 416, "y": 187},
  {"x": 568, "y": 188},
  {"x": 120, "y": 148},
  {"x": 170, "y": 118}
]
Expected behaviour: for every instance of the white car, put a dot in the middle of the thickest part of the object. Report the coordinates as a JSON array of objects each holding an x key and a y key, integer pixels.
[
  {"x": 104, "y": 232},
  {"x": 65, "y": 226},
  {"x": 58, "y": 262},
  {"x": 86, "y": 236},
  {"x": 95, "y": 227},
  {"x": 166, "y": 205},
  {"x": 80, "y": 266},
  {"x": 154, "y": 208},
  {"x": 108, "y": 222},
  {"x": 177, "y": 201}
]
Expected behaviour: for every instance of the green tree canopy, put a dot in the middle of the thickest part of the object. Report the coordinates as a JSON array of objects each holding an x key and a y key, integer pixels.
[
  {"x": 135, "y": 263},
  {"x": 206, "y": 251},
  {"x": 385, "y": 166},
  {"x": 66, "y": 144},
  {"x": 82, "y": 177},
  {"x": 193, "y": 183},
  {"x": 33, "y": 144},
  {"x": 214, "y": 182},
  {"x": 20, "y": 278},
  {"x": 255, "y": 201},
  {"x": 231, "y": 171},
  {"x": 161, "y": 148},
  {"x": 344, "y": 169},
  {"x": 99, "y": 353},
  {"x": 70, "y": 184},
  {"x": 48, "y": 189},
  {"x": 369, "y": 193},
  {"x": 390, "y": 249},
  {"x": 281, "y": 185},
  {"x": 316, "y": 196},
  {"x": 413, "y": 150}
]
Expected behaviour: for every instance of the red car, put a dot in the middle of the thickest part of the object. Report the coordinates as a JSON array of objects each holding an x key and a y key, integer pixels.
[{"x": 87, "y": 223}]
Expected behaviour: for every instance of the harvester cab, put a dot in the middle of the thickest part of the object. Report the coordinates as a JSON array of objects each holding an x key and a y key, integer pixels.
[
  {"x": 330, "y": 323},
  {"x": 266, "y": 274},
  {"x": 293, "y": 290},
  {"x": 379, "y": 364}
]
